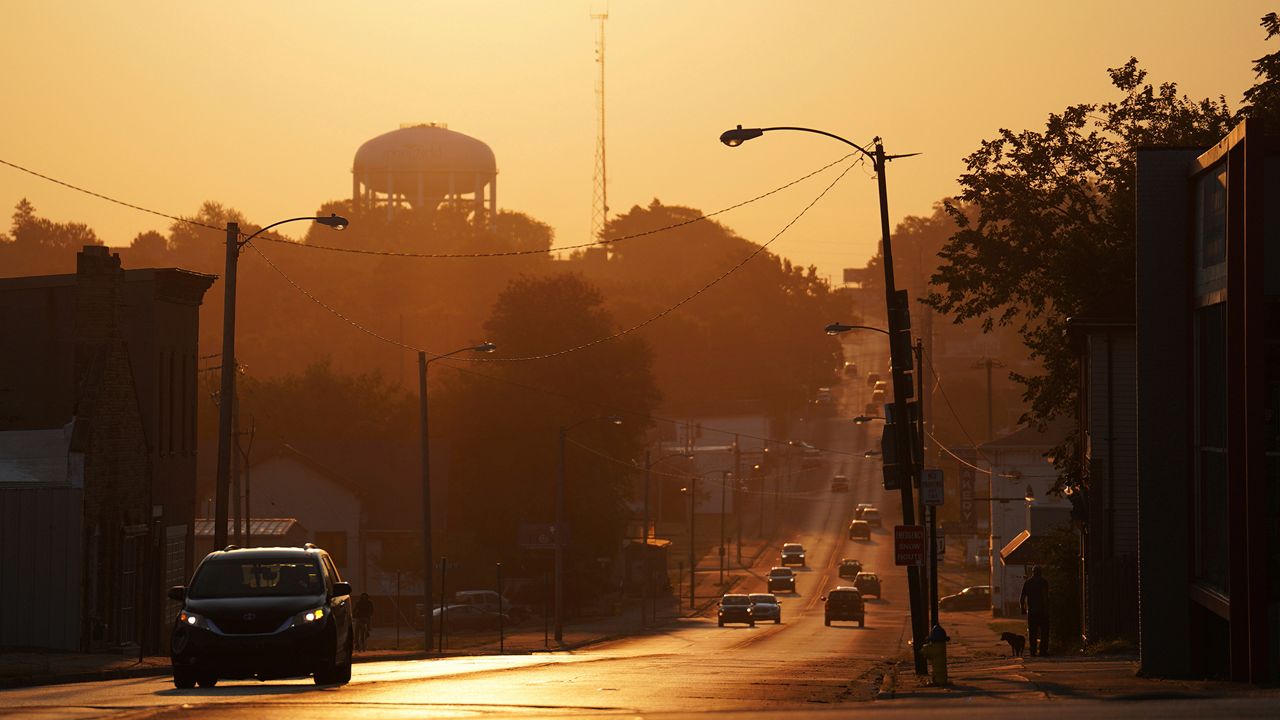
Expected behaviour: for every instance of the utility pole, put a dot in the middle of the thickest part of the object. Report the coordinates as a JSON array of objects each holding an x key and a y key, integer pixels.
[
  {"x": 644, "y": 590},
  {"x": 724, "y": 495},
  {"x": 989, "y": 363},
  {"x": 228, "y": 391},
  {"x": 693, "y": 561},
  {"x": 428, "y": 566}
]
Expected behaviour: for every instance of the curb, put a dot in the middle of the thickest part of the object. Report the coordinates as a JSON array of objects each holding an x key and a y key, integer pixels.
[{"x": 91, "y": 676}]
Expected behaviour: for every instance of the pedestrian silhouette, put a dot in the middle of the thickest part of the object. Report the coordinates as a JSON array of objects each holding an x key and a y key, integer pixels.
[
  {"x": 1035, "y": 605},
  {"x": 364, "y": 621}
]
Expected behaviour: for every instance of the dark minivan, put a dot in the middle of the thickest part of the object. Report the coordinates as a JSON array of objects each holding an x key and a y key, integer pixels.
[{"x": 264, "y": 613}]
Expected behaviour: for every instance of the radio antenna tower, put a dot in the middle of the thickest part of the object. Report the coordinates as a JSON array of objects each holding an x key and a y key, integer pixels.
[{"x": 600, "y": 179}]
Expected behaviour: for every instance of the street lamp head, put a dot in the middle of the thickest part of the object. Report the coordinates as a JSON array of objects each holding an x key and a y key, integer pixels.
[
  {"x": 615, "y": 419},
  {"x": 836, "y": 328},
  {"x": 739, "y": 135},
  {"x": 335, "y": 221},
  {"x": 1031, "y": 495},
  {"x": 485, "y": 347}
]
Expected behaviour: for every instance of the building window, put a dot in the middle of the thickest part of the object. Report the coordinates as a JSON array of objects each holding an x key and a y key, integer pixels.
[
  {"x": 1211, "y": 216},
  {"x": 1211, "y": 511}
]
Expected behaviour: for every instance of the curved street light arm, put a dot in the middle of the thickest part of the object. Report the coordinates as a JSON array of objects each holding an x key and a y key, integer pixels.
[
  {"x": 333, "y": 221},
  {"x": 482, "y": 347},
  {"x": 837, "y": 328},
  {"x": 850, "y": 143}
]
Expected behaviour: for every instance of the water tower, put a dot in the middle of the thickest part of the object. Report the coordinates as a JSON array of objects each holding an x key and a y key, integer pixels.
[{"x": 425, "y": 167}]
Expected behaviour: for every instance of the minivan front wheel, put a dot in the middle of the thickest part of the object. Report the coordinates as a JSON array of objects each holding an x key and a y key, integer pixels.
[{"x": 184, "y": 678}]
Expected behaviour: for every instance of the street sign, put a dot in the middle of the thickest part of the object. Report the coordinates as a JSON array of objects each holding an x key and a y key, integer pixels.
[
  {"x": 941, "y": 543},
  {"x": 932, "y": 491},
  {"x": 537, "y": 536},
  {"x": 909, "y": 543}
]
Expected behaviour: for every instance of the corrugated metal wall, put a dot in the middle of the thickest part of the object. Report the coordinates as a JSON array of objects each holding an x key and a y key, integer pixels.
[{"x": 40, "y": 567}]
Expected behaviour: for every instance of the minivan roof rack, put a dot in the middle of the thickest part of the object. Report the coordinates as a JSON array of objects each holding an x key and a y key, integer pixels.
[
  {"x": 310, "y": 546},
  {"x": 230, "y": 547}
]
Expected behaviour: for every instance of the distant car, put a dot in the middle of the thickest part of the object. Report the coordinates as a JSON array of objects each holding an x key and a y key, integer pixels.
[
  {"x": 857, "y": 511},
  {"x": 765, "y": 606},
  {"x": 792, "y": 554},
  {"x": 782, "y": 579},
  {"x": 868, "y": 583},
  {"x": 844, "y": 603},
  {"x": 880, "y": 385},
  {"x": 977, "y": 597},
  {"x": 872, "y": 410},
  {"x": 859, "y": 530},
  {"x": 877, "y": 396},
  {"x": 872, "y": 379},
  {"x": 810, "y": 456},
  {"x": 849, "y": 568},
  {"x": 851, "y": 369},
  {"x": 490, "y": 601},
  {"x": 871, "y": 515},
  {"x": 736, "y": 607},
  {"x": 839, "y": 483}
]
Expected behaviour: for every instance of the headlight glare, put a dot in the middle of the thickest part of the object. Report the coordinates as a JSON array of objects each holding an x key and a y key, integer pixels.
[{"x": 309, "y": 616}]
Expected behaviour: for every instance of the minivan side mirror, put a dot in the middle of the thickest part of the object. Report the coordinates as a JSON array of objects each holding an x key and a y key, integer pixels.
[
  {"x": 341, "y": 588},
  {"x": 177, "y": 593}
]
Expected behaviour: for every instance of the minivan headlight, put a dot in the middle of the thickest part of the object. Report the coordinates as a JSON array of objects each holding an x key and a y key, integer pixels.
[
  {"x": 191, "y": 619},
  {"x": 307, "y": 617}
]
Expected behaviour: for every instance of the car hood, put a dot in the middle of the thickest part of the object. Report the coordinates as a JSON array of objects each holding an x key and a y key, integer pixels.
[{"x": 285, "y": 604}]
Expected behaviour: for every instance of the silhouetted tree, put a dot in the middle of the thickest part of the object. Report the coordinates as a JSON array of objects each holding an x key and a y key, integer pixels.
[
  {"x": 1050, "y": 233},
  {"x": 1262, "y": 101}
]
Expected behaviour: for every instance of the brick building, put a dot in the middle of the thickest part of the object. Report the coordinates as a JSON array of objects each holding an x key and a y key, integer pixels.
[{"x": 101, "y": 367}]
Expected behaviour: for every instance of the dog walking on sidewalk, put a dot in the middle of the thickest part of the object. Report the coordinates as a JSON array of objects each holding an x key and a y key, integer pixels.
[{"x": 1016, "y": 643}]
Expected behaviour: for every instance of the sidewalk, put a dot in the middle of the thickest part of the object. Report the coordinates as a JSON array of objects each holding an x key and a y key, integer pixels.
[{"x": 979, "y": 665}]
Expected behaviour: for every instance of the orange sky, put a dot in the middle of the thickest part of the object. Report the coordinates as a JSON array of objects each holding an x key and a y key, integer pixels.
[{"x": 261, "y": 106}]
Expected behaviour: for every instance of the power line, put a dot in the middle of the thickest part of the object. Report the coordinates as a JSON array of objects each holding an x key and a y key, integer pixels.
[
  {"x": 627, "y": 331},
  {"x": 389, "y": 253},
  {"x": 598, "y": 243}
]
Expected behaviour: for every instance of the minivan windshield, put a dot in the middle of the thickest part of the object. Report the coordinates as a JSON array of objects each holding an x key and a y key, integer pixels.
[{"x": 257, "y": 577}]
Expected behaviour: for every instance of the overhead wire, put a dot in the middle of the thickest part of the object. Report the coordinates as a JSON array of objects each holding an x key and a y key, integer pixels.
[
  {"x": 565, "y": 351},
  {"x": 562, "y": 248}
]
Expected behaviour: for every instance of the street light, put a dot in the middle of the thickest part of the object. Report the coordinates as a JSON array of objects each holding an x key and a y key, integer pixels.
[
  {"x": 423, "y": 424},
  {"x": 898, "y": 313},
  {"x": 227, "y": 393},
  {"x": 692, "y": 489},
  {"x": 559, "y": 528},
  {"x": 836, "y": 328}
]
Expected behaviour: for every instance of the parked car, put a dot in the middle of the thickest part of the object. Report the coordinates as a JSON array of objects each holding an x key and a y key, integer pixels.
[
  {"x": 765, "y": 606},
  {"x": 839, "y": 483},
  {"x": 792, "y": 554},
  {"x": 859, "y": 530},
  {"x": 851, "y": 369},
  {"x": 468, "y": 618},
  {"x": 735, "y": 607},
  {"x": 868, "y": 583},
  {"x": 872, "y": 379},
  {"x": 844, "y": 603},
  {"x": 849, "y": 568},
  {"x": 490, "y": 601},
  {"x": 264, "y": 613},
  {"x": 977, "y": 597},
  {"x": 782, "y": 579}
]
